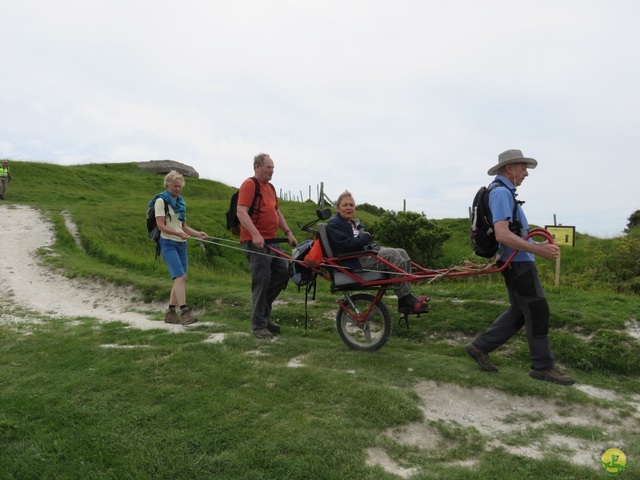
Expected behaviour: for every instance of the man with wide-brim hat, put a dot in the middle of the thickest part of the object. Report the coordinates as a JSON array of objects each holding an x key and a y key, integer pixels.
[
  {"x": 528, "y": 304},
  {"x": 512, "y": 156}
]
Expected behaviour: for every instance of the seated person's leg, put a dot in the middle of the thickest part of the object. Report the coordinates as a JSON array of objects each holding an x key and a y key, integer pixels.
[{"x": 407, "y": 303}]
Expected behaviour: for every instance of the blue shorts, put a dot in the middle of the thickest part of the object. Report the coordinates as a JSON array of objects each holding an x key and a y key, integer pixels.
[{"x": 175, "y": 256}]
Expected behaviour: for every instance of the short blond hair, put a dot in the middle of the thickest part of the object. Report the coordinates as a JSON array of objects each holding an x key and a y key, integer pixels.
[{"x": 173, "y": 177}]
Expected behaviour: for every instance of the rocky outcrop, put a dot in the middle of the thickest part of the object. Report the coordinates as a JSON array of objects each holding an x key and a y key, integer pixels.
[{"x": 165, "y": 166}]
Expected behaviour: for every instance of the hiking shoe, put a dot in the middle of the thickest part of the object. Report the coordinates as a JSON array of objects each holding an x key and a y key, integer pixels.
[
  {"x": 263, "y": 334},
  {"x": 481, "y": 358},
  {"x": 553, "y": 376},
  {"x": 171, "y": 316},
  {"x": 187, "y": 317},
  {"x": 272, "y": 326},
  {"x": 411, "y": 305}
]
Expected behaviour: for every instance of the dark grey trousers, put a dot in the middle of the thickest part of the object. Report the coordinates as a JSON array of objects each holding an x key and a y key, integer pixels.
[
  {"x": 528, "y": 307},
  {"x": 269, "y": 276}
]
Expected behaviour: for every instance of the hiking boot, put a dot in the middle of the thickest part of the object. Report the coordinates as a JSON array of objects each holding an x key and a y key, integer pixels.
[
  {"x": 272, "y": 326},
  {"x": 187, "y": 317},
  {"x": 171, "y": 316},
  {"x": 411, "y": 305},
  {"x": 481, "y": 358},
  {"x": 553, "y": 375},
  {"x": 263, "y": 334}
]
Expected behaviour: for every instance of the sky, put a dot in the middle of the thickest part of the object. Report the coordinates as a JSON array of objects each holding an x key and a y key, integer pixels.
[{"x": 402, "y": 102}]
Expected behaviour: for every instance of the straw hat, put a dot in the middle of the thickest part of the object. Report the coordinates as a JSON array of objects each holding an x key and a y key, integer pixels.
[{"x": 512, "y": 156}]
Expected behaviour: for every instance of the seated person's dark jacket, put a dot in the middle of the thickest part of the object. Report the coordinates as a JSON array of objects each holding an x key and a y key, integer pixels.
[{"x": 340, "y": 233}]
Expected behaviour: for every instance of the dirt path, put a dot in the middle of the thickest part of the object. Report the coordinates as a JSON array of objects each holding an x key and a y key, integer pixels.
[
  {"x": 31, "y": 286},
  {"x": 30, "y": 290}
]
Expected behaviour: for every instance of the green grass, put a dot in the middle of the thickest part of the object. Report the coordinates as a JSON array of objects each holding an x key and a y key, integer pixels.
[{"x": 82, "y": 399}]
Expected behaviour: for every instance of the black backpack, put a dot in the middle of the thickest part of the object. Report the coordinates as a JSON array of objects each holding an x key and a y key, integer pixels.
[
  {"x": 233, "y": 224},
  {"x": 483, "y": 237},
  {"x": 152, "y": 227}
]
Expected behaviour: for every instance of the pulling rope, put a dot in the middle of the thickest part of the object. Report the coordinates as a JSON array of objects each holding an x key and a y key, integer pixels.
[
  {"x": 237, "y": 242},
  {"x": 467, "y": 266},
  {"x": 267, "y": 254}
]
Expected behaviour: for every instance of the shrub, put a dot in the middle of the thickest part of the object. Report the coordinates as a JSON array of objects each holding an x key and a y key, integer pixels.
[
  {"x": 620, "y": 267},
  {"x": 367, "y": 207},
  {"x": 423, "y": 239}
]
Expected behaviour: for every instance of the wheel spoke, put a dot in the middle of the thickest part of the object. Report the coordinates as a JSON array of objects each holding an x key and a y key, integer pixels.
[
  {"x": 364, "y": 333},
  {"x": 366, "y": 329}
]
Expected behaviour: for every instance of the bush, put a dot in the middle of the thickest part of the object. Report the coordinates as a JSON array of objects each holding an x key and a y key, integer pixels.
[
  {"x": 634, "y": 222},
  {"x": 620, "y": 267},
  {"x": 367, "y": 207},
  {"x": 423, "y": 239}
]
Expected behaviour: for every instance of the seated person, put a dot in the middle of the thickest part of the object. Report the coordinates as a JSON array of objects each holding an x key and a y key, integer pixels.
[{"x": 347, "y": 236}]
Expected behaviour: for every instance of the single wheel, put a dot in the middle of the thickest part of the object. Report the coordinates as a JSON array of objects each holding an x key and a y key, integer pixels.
[{"x": 362, "y": 331}]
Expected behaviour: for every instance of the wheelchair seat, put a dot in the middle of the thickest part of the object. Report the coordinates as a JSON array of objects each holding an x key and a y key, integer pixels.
[{"x": 341, "y": 279}]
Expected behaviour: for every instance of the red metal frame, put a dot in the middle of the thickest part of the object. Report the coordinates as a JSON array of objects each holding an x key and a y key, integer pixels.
[
  {"x": 361, "y": 318},
  {"x": 420, "y": 273}
]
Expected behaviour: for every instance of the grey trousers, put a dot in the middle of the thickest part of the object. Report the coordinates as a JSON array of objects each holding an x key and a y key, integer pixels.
[
  {"x": 269, "y": 276},
  {"x": 528, "y": 307},
  {"x": 4, "y": 181},
  {"x": 396, "y": 256}
]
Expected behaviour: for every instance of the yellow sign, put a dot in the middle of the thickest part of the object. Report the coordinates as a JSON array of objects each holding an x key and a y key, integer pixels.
[{"x": 563, "y": 236}]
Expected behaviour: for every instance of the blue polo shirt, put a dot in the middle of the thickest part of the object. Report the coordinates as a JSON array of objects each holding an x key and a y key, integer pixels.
[{"x": 501, "y": 206}]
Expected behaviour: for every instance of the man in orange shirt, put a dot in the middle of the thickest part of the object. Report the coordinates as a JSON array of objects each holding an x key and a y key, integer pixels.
[{"x": 269, "y": 272}]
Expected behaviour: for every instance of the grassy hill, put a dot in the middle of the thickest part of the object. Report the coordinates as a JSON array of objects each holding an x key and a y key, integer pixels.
[
  {"x": 176, "y": 406},
  {"x": 107, "y": 203}
]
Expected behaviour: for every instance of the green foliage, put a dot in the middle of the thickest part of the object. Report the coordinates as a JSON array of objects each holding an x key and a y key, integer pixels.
[
  {"x": 457, "y": 248},
  {"x": 422, "y": 238},
  {"x": 366, "y": 207},
  {"x": 622, "y": 266},
  {"x": 615, "y": 266},
  {"x": 634, "y": 221},
  {"x": 605, "y": 350}
]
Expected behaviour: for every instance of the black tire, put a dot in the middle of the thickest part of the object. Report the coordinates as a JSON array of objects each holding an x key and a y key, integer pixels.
[{"x": 376, "y": 329}]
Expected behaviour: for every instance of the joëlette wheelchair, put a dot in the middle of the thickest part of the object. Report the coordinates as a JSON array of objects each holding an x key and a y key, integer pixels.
[{"x": 363, "y": 320}]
